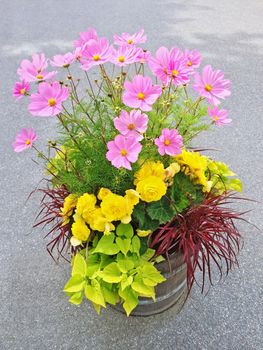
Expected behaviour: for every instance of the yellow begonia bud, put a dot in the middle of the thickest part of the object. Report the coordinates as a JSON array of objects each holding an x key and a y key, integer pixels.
[
  {"x": 143, "y": 233},
  {"x": 172, "y": 169},
  {"x": 103, "y": 192}
]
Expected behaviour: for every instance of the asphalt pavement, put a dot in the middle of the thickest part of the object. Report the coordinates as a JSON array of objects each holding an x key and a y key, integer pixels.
[{"x": 34, "y": 313}]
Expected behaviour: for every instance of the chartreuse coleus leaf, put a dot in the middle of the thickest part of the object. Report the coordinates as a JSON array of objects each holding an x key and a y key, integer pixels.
[
  {"x": 111, "y": 273},
  {"x": 125, "y": 264},
  {"x": 140, "y": 287},
  {"x": 130, "y": 298},
  {"x": 94, "y": 293},
  {"x": 136, "y": 245},
  {"x": 93, "y": 265},
  {"x": 110, "y": 293},
  {"x": 106, "y": 245},
  {"x": 125, "y": 230},
  {"x": 75, "y": 284},
  {"x": 76, "y": 298},
  {"x": 124, "y": 244},
  {"x": 79, "y": 266},
  {"x": 150, "y": 275},
  {"x": 126, "y": 281}
]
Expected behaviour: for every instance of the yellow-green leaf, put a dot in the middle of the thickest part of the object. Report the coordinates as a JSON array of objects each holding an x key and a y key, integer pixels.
[
  {"x": 111, "y": 273},
  {"x": 76, "y": 298},
  {"x": 79, "y": 266},
  {"x": 106, "y": 245},
  {"x": 75, "y": 284},
  {"x": 94, "y": 294},
  {"x": 125, "y": 230},
  {"x": 123, "y": 244}
]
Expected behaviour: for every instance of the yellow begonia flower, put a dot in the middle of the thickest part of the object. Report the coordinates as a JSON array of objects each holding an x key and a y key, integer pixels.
[
  {"x": 115, "y": 207},
  {"x": 151, "y": 189},
  {"x": 80, "y": 230},
  {"x": 99, "y": 222},
  {"x": 85, "y": 206},
  {"x": 68, "y": 206},
  {"x": 103, "y": 192},
  {"x": 149, "y": 168},
  {"x": 195, "y": 165},
  {"x": 172, "y": 169},
  {"x": 132, "y": 196},
  {"x": 143, "y": 233}
]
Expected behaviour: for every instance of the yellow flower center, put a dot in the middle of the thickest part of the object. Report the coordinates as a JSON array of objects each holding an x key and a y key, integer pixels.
[
  {"x": 131, "y": 126},
  {"x": 167, "y": 142},
  {"x": 140, "y": 95},
  {"x": 215, "y": 117},
  {"x": 28, "y": 142},
  {"x": 40, "y": 76},
  {"x": 96, "y": 57},
  {"x": 189, "y": 63},
  {"x": 174, "y": 73},
  {"x": 22, "y": 91},
  {"x": 208, "y": 87},
  {"x": 52, "y": 102},
  {"x": 130, "y": 41},
  {"x": 121, "y": 59},
  {"x": 123, "y": 152}
]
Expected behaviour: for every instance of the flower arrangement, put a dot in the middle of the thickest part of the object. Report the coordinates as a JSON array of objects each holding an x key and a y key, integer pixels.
[{"x": 125, "y": 189}]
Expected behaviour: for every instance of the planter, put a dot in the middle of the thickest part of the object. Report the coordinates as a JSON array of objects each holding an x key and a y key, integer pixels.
[{"x": 170, "y": 293}]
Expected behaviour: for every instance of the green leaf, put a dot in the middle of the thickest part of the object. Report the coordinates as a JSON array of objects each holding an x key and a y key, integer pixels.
[
  {"x": 142, "y": 289},
  {"x": 75, "y": 284},
  {"x": 93, "y": 264},
  {"x": 79, "y": 266},
  {"x": 111, "y": 273},
  {"x": 161, "y": 210},
  {"x": 234, "y": 184},
  {"x": 111, "y": 296},
  {"x": 136, "y": 245},
  {"x": 106, "y": 245},
  {"x": 123, "y": 244},
  {"x": 94, "y": 293},
  {"x": 76, "y": 298},
  {"x": 125, "y": 264},
  {"x": 148, "y": 254},
  {"x": 126, "y": 281},
  {"x": 97, "y": 308},
  {"x": 183, "y": 191},
  {"x": 130, "y": 300},
  {"x": 125, "y": 230},
  {"x": 139, "y": 214},
  {"x": 151, "y": 273}
]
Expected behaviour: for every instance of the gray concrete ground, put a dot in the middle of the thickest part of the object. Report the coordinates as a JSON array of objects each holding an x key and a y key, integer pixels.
[{"x": 34, "y": 312}]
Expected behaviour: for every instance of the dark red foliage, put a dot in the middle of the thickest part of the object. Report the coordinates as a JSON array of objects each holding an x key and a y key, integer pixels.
[
  {"x": 49, "y": 216},
  {"x": 206, "y": 234}
]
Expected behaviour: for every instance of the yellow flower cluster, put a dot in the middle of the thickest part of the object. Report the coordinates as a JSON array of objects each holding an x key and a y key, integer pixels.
[
  {"x": 90, "y": 216},
  {"x": 195, "y": 165}
]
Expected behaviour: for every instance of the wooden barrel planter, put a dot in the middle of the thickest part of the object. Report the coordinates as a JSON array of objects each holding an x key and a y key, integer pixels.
[{"x": 170, "y": 293}]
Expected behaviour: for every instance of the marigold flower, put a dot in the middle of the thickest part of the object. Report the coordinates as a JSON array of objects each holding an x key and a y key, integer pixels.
[
  {"x": 151, "y": 189},
  {"x": 149, "y": 168},
  {"x": 35, "y": 70},
  {"x": 95, "y": 52},
  {"x": 130, "y": 39},
  {"x": 48, "y": 100},
  {"x": 123, "y": 151},
  {"x": 21, "y": 89},
  {"x": 212, "y": 85},
  {"x": 63, "y": 60},
  {"x": 141, "y": 93},
  {"x": 170, "y": 142},
  {"x": 219, "y": 116},
  {"x": 24, "y": 140},
  {"x": 131, "y": 124}
]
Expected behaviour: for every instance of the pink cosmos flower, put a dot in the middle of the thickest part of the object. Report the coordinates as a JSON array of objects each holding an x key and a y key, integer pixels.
[
  {"x": 144, "y": 56},
  {"x": 125, "y": 55},
  {"x": 24, "y": 140},
  {"x": 193, "y": 58},
  {"x": 219, "y": 116},
  {"x": 130, "y": 39},
  {"x": 20, "y": 89},
  {"x": 170, "y": 142},
  {"x": 78, "y": 53},
  {"x": 132, "y": 124},
  {"x": 123, "y": 151},
  {"x": 85, "y": 37},
  {"x": 63, "y": 60},
  {"x": 95, "y": 53},
  {"x": 212, "y": 85},
  {"x": 170, "y": 66},
  {"x": 35, "y": 70},
  {"x": 48, "y": 100},
  {"x": 141, "y": 93}
]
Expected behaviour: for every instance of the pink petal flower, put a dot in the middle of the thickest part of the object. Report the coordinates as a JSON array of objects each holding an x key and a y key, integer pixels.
[
  {"x": 212, "y": 85},
  {"x": 170, "y": 142},
  {"x": 21, "y": 89},
  {"x": 219, "y": 116},
  {"x": 141, "y": 93},
  {"x": 125, "y": 55},
  {"x": 85, "y": 37},
  {"x": 48, "y": 100},
  {"x": 63, "y": 60},
  {"x": 131, "y": 124},
  {"x": 35, "y": 70},
  {"x": 24, "y": 140},
  {"x": 170, "y": 66},
  {"x": 193, "y": 59},
  {"x": 123, "y": 151},
  {"x": 130, "y": 39},
  {"x": 95, "y": 52}
]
